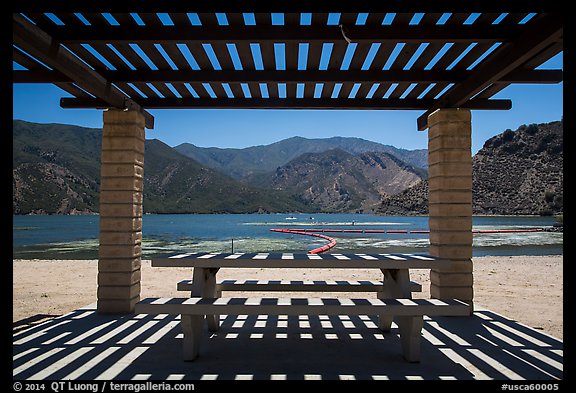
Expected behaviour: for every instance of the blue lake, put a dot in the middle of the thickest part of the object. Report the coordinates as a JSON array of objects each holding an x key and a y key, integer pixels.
[{"x": 76, "y": 237}]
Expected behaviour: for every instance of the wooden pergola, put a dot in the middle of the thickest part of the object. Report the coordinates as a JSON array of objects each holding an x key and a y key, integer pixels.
[{"x": 442, "y": 57}]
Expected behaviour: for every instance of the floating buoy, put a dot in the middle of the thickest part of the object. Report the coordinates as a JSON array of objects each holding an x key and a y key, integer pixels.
[{"x": 305, "y": 233}]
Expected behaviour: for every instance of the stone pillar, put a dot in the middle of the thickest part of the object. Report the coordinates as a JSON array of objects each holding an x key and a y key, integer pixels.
[
  {"x": 121, "y": 186},
  {"x": 450, "y": 202}
]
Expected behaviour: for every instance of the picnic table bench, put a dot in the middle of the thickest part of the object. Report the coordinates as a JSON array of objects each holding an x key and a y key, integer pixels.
[{"x": 393, "y": 301}]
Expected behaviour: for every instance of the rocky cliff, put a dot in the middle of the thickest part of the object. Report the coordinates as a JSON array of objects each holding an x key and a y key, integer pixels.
[{"x": 515, "y": 172}]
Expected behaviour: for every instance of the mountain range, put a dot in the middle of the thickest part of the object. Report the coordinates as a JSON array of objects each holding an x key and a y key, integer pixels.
[
  {"x": 242, "y": 163},
  {"x": 56, "y": 170}
]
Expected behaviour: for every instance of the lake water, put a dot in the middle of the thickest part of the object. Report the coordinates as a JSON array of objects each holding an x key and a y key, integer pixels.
[{"x": 76, "y": 237}]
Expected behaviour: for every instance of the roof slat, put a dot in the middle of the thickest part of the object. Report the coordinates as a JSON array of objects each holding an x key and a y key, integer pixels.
[
  {"x": 69, "y": 19},
  {"x": 179, "y": 19},
  {"x": 417, "y": 90},
  {"x": 363, "y": 90},
  {"x": 125, "y": 19},
  {"x": 151, "y": 19},
  {"x": 110, "y": 55},
  {"x": 327, "y": 89},
  {"x": 96, "y": 19},
  {"x": 182, "y": 90},
  {"x": 382, "y": 55},
  {"x": 199, "y": 54},
  {"x": 267, "y": 53},
  {"x": 314, "y": 56},
  {"x": 236, "y": 90},
  {"x": 345, "y": 90},
  {"x": 133, "y": 58},
  {"x": 155, "y": 56},
  {"x": 127, "y": 89},
  {"x": 200, "y": 90},
  {"x": 273, "y": 90},
  {"x": 208, "y": 18},
  {"x": 146, "y": 90},
  {"x": 399, "y": 90},
  {"x": 375, "y": 18},
  {"x": 218, "y": 89},
  {"x": 381, "y": 90},
  {"x": 435, "y": 90},
  {"x": 176, "y": 56},
  {"x": 151, "y": 59},
  {"x": 359, "y": 56},
  {"x": 237, "y": 19},
  {"x": 87, "y": 57}
]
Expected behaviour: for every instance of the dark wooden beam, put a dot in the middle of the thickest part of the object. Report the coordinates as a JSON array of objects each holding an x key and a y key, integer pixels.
[
  {"x": 178, "y": 6},
  {"x": 368, "y": 33},
  {"x": 39, "y": 45},
  {"x": 39, "y": 76},
  {"x": 533, "y": 76},
  {"x": 285, "y": 103},
  {"x": 544, "y": 32},
  {"x": 268, "y": 76}
]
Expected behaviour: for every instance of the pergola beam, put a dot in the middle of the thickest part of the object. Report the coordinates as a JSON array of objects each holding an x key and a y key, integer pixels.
[
  {"x": 44, "y": 48},
  {"x": 273, "y": 76},
  {"x": 287, "y": 103},
  {"x": 179, "y": 6},
  {"x": 545, "y": 32},
  {"x": 297, "y": 33}
]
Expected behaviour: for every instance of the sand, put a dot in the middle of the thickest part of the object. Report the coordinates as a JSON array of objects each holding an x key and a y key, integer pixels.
[{"x": 528, "y": 289}]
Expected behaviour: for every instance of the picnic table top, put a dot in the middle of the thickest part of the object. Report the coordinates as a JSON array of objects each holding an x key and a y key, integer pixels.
[{"x": 300, "y": 260}]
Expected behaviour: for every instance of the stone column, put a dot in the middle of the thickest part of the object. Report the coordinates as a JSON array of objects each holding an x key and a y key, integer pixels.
[
  {"x": 450, "y": 202},
  {"x": 121, "y": 186}
]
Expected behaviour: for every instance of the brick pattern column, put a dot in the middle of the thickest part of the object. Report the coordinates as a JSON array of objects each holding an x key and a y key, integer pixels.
[
  {"x": 450, "y": 202},
  {"x": 121, "y": 186}
]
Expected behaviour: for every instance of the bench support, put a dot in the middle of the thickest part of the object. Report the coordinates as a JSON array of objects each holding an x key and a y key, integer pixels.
[{"x": 409, "y": 314}]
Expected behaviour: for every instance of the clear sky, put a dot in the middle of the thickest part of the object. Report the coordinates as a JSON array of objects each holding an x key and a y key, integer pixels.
[{"x": 243, "y": 128}]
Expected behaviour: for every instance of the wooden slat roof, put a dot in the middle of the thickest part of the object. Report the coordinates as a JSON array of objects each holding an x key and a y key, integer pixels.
[{"x": 385, "y": 60}]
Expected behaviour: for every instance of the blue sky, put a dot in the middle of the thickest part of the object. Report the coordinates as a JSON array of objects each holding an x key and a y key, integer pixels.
[{"x": 244, "y": 128}]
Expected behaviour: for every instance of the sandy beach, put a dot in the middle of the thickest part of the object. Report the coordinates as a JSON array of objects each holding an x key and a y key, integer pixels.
[{"x": 528, "y": 289}]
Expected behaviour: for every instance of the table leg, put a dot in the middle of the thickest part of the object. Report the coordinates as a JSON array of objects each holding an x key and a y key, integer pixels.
[
  {"x": 410, "y": 336},
  {"x": 396, "y": 284},
  {"x": 204, "y": 285},
  {"x": 192, "y": 332}
]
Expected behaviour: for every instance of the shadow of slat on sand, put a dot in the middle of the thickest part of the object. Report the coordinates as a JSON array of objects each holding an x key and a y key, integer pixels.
[{"x": 88, "y": 346}]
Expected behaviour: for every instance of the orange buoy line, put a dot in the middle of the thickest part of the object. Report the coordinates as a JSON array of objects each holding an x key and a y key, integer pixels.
[
  {"x": 393, "y": 231},
  {"x": 314, "y": 232},
  {"x": 316, "y": 250}
]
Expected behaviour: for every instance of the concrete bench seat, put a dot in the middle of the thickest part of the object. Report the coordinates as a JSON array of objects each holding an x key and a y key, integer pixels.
[
  {"x": 408, "y": 313},
  {"x": 297, "y": 286}
]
